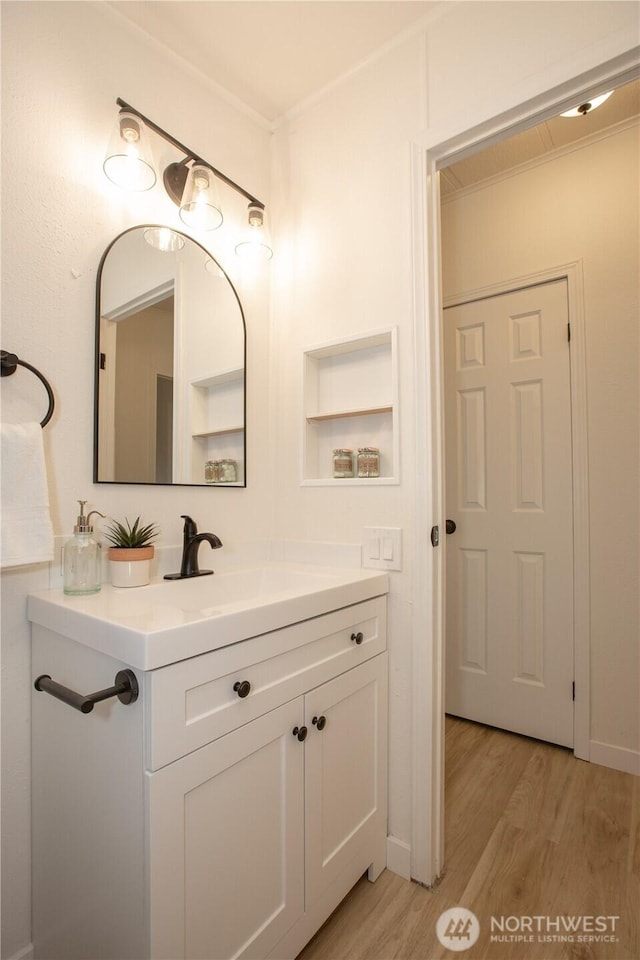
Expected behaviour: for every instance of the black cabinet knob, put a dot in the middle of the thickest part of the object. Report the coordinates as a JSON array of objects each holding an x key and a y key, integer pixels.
[
  {"x": 320, "y": 722},
  {"x": 450, "y": 526},
  {"x": 242, "y": 688},
  {"x": 300, "y": 733},
  {"x": 357, "y": 637}
]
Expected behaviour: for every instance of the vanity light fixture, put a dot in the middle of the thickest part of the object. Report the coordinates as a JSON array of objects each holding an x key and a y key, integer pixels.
[
  {"x": 200, "y": 206},
  {"x": 164, "y": 239},
  {"x": 192, "y": 183},
  {"x": 129, "y": 162},
  {"x": 256, "y": 241},
  {"x": 587, "y": 106},
  {"x": 214, "y": 268}
]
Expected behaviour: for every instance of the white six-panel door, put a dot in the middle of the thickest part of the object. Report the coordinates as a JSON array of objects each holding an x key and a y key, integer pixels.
[{"x": 509, "y": 586}]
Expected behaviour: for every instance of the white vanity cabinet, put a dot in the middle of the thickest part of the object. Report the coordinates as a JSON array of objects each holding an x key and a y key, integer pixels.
[
  {"x": 202, "y": 823},
  {"x": 226, "y": 832}
]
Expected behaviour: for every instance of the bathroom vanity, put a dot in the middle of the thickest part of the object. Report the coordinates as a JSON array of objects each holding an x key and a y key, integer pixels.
[{"x": 230, "y": 807}]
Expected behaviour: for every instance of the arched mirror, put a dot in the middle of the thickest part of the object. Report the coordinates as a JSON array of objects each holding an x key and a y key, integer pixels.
[{"x": 170, "y": 364}]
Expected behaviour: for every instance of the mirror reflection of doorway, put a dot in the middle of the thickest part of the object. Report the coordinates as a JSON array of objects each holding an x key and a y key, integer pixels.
[
  {"x": 143, "y": 412},
  {"x": 164, "y": 429}
]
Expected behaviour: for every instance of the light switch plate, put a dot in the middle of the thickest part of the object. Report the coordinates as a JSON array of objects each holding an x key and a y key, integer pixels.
[{"x": 382, "y": 548}]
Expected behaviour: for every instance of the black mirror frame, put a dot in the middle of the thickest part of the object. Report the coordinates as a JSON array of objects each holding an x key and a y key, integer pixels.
[{"x": 96, "y": 391}]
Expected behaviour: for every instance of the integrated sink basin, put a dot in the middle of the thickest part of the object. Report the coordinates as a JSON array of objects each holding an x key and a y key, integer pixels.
[
  {"x": 170, "y": 620},
  {"x": 238, "y": 587}
]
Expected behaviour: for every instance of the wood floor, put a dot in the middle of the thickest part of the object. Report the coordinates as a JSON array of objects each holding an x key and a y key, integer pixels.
[{"x": 530, "y": 832}]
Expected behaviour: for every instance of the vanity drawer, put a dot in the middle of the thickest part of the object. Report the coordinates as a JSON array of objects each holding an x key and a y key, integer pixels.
[{"x": 195, "y": 701}]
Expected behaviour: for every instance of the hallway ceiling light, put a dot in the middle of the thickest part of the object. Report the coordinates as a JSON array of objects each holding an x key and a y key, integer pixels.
[
  {"x": 587, "y": 106},
  {"x": 192, "y": 183},
  {"x": 256, "y": 241}
]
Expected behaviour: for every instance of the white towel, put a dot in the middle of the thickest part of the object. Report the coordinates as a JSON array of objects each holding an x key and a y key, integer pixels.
[{"x": 26, "y": 530}]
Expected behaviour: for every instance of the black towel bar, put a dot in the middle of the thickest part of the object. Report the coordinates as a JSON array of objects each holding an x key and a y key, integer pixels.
[
  {"x": 125, "y": 688},
  {"x": 8, "y": 364}
]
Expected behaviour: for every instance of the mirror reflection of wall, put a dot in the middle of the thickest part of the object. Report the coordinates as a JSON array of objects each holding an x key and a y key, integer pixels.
[{"x": 170, "y": 366}]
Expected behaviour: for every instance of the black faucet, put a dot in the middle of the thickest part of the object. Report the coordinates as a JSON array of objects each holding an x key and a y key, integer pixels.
[{"x": 191, "y": 541}]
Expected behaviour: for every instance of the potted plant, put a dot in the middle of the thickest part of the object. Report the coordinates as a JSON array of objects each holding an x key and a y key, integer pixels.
[{"x": 131, "y": 552}]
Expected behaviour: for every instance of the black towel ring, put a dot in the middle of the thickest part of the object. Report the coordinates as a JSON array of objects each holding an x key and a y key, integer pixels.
[{"x": 8, "y": 364}]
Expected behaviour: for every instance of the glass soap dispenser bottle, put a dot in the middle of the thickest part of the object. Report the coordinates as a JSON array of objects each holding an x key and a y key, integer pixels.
[{"x": 82, "y": 558}]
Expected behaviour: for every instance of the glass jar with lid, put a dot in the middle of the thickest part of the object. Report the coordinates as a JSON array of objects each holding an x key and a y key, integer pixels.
[
  {"x": 228, "y": 471},
  {"x": 368, "y": 462},
  {"x": 212, "y": 471},
  {"x": 342, "y": 462}
]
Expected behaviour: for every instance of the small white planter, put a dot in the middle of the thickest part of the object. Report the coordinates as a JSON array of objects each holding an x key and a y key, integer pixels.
[{"x": 130, "y": 568}]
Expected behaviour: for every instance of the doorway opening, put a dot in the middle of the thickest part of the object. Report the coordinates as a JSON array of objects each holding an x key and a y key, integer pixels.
[
  {"x": 428, "y": 716},
  {"x": 503, "y": 210}
]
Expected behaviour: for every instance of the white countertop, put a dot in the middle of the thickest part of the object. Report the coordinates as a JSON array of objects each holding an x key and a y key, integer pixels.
[{"x": 167, "y": 621}]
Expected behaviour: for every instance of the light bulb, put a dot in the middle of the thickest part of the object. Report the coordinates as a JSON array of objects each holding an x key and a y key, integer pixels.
[
  {"x": 129, "y": 128},
  {"x": 164, "y": 239},
  {"x": 128, "y": 162},
  {"x": 200, "y": 207},
  {"x": 255, "y": 243}
]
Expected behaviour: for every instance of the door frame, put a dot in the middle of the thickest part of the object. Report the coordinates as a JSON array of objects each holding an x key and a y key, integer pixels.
[
  {"x": 573, "y": 274},
  {"x": 427, "y": 155}
]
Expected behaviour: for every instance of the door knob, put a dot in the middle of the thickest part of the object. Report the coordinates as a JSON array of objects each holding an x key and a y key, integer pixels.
[
  {"x": 450, "y": 526},
  {"x": 300, "y": 733},
  {"x": 320, "y": 722},
  {"x": 242, "y": 688},
  {"x": 357, "y": 637}
]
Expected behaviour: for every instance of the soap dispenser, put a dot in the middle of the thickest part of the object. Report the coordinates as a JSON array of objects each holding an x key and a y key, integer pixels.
[{"x": 82, "y": 557}]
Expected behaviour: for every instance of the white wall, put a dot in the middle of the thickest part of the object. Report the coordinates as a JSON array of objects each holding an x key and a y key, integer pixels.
[
  {"x": 342, "y": 186},
  {"x": 347, "y": 206},
  {"x": 584, "y": 205},
  {"x": 63, "y": 65}
]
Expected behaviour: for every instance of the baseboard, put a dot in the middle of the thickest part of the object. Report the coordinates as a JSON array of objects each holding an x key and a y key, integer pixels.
[
  {"x": 618, "y": 758},
  {"x": 399, "y": 857},
  {"x": 25, "y": 953}
]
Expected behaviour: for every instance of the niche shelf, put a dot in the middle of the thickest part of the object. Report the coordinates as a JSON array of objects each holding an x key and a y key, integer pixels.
[
  {"x": 217, "y": 421},
  {"x": 350, "y": 397}
]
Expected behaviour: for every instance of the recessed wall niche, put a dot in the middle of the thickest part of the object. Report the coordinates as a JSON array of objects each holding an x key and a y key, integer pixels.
[{"x": 350, "y": 398}]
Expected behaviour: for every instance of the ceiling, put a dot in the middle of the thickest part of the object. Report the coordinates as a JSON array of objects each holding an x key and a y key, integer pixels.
[
  {"x": 541, "y": 141},
  {"x": 273, "y": 54}
]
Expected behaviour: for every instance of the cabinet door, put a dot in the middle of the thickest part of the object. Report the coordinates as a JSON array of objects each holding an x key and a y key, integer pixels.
[
  {"x": 346, "y": 775},
  {"x": 226, "y": 843}
]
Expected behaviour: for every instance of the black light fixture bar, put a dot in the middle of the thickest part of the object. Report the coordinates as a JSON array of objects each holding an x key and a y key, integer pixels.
[{"x": 189, "y": 154}]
